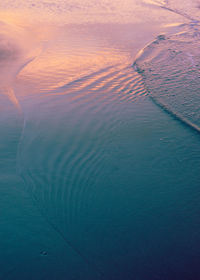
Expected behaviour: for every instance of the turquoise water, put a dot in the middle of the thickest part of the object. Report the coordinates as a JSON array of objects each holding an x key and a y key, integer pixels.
[{"x": 96, "y": 180}]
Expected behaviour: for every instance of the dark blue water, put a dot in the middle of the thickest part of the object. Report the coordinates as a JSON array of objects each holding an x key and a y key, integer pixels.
[
  {"x": 131, "y": 214},
  {"x": 100, "y": 160}
]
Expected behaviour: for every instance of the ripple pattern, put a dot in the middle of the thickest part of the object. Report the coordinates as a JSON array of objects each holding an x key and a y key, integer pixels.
[{"x": 67, "y": 141}]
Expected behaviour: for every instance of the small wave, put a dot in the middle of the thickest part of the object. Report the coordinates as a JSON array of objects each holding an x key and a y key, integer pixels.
[{"x": 170, "y": 68}]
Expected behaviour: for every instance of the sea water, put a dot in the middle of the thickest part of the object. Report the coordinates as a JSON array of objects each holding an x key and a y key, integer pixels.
[{"x": 99, "y": 147}]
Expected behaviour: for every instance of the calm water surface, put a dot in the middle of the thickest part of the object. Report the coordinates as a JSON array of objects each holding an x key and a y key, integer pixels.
[{"x": 99, "y": 151}]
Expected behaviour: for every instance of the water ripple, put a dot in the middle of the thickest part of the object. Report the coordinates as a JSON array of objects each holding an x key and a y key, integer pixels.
[{"x": 67, "y": 142}]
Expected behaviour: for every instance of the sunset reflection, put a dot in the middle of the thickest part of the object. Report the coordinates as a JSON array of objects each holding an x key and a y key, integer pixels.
[
  {"x": 59, "y": 42},
  {"x": 99, "y": 139},
  {"x": 65, "y": 62}
]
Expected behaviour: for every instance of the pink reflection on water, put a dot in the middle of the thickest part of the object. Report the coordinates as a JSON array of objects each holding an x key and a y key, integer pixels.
[
  {"x": 38, "y": 55},
  {"x": 72, "y": 54}
]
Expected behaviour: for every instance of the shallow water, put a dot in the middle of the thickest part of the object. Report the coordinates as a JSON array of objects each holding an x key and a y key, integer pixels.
[
  {"x": 170, "y": 68},
  {"x": 96, "y": 180}
]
